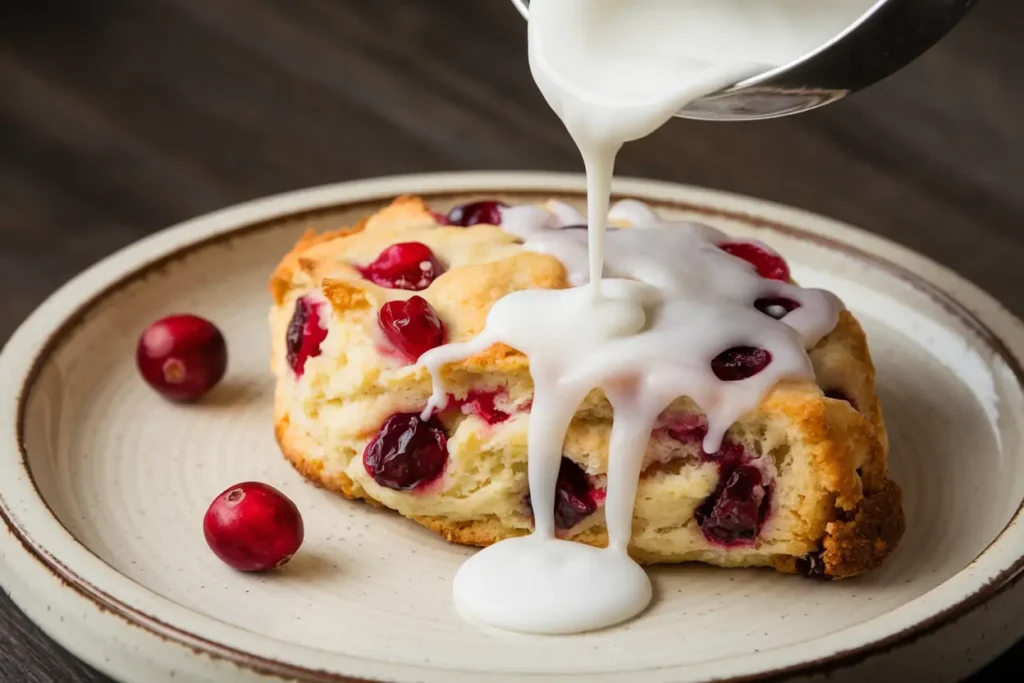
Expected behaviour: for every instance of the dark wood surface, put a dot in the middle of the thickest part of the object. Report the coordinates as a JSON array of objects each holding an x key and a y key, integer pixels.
[{"x": 119, "y": 117}]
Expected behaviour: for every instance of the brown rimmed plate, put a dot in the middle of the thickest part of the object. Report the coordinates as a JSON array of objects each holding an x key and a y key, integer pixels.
[{"x": 103, "y": 484}]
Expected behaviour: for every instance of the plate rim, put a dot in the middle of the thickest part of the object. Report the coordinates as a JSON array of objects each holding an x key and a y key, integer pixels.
[{"x": 67, "y": 308}]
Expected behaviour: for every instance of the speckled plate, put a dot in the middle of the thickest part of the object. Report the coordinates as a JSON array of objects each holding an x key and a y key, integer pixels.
[{"x": 103, "y": 485}]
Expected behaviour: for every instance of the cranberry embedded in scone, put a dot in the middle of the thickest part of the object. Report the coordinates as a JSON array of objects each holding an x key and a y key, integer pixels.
[
  {"x": 575, "y": 498},
  {"x": 305, "y": 334},
  {"x": 769, "y": 266},
  {"x": 484, "y": 212},
  {"x": 412, "y": 326},
  {"x": 740, "y": 362},
  {"x": 481, "y": 404},
  {"x": 407, "y": 265},
  {"x": 776, "y": 307},
  {"x": 407, "y": 452},
  {"x": 734, "y": 513}
]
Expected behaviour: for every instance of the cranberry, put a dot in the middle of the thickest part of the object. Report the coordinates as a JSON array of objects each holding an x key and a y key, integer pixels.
[
  {"x": 487, "y": 212},
  {"x": 182, "y": 356},
  {"x": 840, "y": 396},
  {"x": 412, "y": 326},
  {"x": 812, "y": 565},
  {"x": 305, "y": 334},
  {"x": 406, "y": 265},
  {"x": 769, "y": 266},
  {"x": 253, "y": 527},
  {"x": 777, "y": 308},
  {"x": 481, "y": 404},
  {"x": 406, "y": 452},
  {"x": 734, "y": 513},
  {"x": 575, "y": 499},
  {"x": 740, "y": 362}
]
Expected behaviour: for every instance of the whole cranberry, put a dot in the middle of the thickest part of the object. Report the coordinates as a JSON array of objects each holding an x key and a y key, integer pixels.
[
  {"x": 768, "y": 265},
  {"x": 406, "y": 452},
  {"x": 412, "y": 326},
  {"x": 487, "y": 212},
  {"x": 182, "y": 356},
  {"x": 407, "y": 265},
  {"x": 735, "y": 512},
  {"x": 253, "y": 527},
  {"x": 575, "y": 498},
  {"x": 740, "y": 362},
  {"x": 305, "y": 334},
  {"x": 776, "y": 307}
]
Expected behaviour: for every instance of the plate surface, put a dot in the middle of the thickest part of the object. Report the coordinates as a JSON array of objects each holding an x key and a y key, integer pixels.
[{"x": 103, "y": 485}]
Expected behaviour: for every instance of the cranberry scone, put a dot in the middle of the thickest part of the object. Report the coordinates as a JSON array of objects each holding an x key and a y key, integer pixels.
[{"x": 799, "y": 484}]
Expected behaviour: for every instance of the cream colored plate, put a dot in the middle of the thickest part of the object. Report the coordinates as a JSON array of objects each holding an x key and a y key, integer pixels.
[{"x": 103, "y": 485}]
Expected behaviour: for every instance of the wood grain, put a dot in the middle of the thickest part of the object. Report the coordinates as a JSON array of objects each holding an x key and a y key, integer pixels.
[{"x": 119, "y": 117}]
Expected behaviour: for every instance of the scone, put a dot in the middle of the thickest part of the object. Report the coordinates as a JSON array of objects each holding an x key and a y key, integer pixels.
[{"x": 800, "y": 484}]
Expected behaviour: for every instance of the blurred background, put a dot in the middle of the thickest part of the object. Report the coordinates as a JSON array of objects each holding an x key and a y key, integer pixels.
[{"x": 121, "y": 117}]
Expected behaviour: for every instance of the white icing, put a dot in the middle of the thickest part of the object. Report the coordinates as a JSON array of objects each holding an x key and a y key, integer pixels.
[{"x": 651, "y": 306}]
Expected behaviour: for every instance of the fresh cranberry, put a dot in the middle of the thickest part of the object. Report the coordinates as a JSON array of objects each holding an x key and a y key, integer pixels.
[
  {"x": 412, "y": 326},
  {"x": 812, "y": 565},
  {"x": 487, "y": 212},
  {"x": 182, "y": 356},
  {"x": 305, "y": 334},
  {"x": 734, "y": 513},
  {"x": 740, "y": 362},
  {"x": 406, "y": 265},
  {"x": 406, "y": 452},
  {"x": 769, "y": 266},
  {"x": 482, "y": 404},
  {"x": 840, "y": 396},
  {"x": 575, "y": 498},
  {"x": 777, "y": 307},
  {"x": 253, "y": 527}
]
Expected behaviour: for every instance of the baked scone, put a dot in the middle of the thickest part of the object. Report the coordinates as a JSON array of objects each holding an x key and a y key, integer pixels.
[{"x": 353, "y": 309}]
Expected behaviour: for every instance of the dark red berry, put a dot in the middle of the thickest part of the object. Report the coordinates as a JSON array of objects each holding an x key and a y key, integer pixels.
[
  {"x": 305, "y": 334},
  {"x": 777, "y": 307},
  {"x": 575, "y": 498},
  {"x": 487, "y": 212},
  {"x": 769, "y": 266},
  {"x": 253, "y": 527},
  {"x": 182, "y": 356},
  {"x": 412, "y": 326},
  {"x": 482, "y": 404},
  {"x": 406, "y": 452},
  {"x": 734, "y": 513},
  {"x": 740, "y": 362},
  {"x": 406, "y": 265}
]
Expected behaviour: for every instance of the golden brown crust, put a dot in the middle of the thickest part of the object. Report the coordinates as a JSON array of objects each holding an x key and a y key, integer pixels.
[{"x": 841, "y": 504}]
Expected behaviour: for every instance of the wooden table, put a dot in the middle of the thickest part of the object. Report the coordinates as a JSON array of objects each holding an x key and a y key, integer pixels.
[{"x": 118, "y": 118}]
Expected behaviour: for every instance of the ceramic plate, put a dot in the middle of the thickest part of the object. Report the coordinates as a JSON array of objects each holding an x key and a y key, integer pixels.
[{"x": 103, "y": 485}]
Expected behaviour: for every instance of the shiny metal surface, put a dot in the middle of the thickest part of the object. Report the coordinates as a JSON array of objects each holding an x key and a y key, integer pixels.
[{"x": 886, "y": 38}]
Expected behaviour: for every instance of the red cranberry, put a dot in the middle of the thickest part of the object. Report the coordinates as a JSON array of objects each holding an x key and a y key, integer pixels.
[
  {"x": 253, "y": 527},
  {"x": 481, "y": 404},
  {"x": 305, "y": 334},
  {"x": 487, "y": 212},
  {"x": 776, "y": 307},
  {"x": 734, "y": 513},
  {"x": 406, "y": 452},
  {"x": 690, "y": 431},
  {"x": 575, "y": 499},
  {"x": 740, "y": 362},
  {"x": 769, "y": 266},
  {"x": 182, "y": 356},
  {"x": 412, "y": 326},
  {"x": 406, "y": 265}
]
